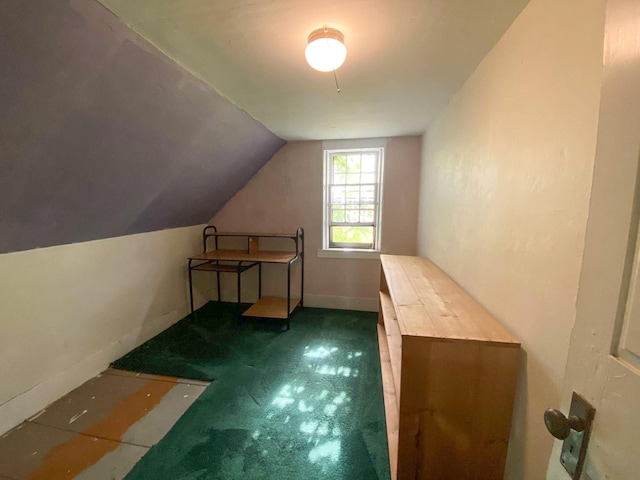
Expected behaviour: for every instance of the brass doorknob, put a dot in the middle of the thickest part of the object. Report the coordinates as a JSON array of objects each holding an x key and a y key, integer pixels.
[{"x": 560, "y": 426}]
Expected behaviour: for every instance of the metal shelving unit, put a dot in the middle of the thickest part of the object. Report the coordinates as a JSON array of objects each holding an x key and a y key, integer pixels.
[{"x": 238, "y": 261}]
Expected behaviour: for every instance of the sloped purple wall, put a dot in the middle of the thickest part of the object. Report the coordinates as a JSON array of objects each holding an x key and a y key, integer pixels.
[{"x": 101, "y": 135}]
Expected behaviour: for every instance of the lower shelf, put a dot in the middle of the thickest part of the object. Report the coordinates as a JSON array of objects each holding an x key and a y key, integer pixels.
[
  {"x": 394, "y": 338},
  {"x": 271, "y": 307},
  {"x": 390, "y": 401},
  {"x": 223, "y": 268}
]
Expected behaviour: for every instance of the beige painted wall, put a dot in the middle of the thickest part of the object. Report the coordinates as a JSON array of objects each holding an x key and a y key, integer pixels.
[
  {"x": 68, "y": 311},
  {"x": 505, "y": 182},
  {"x": 287, "y": 193}
]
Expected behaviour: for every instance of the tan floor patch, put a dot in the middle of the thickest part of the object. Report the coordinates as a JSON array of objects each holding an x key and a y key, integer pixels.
[{"x": 68, "y": 460}]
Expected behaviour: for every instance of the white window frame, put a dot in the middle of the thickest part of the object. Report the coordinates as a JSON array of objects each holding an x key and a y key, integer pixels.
[{"x": 359, "y": 250}]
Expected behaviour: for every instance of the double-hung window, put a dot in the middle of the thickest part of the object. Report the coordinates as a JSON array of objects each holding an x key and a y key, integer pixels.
[{"x": 353, "y": 194}]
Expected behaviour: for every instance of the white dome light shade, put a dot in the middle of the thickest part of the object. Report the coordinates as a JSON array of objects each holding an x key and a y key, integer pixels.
[{"x": 326, "y": 51}]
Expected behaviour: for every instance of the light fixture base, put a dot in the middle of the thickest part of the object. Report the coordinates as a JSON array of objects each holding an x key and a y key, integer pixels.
[
  {"x": 326, "y": 32},
  {"x": 325, "y": 51}
]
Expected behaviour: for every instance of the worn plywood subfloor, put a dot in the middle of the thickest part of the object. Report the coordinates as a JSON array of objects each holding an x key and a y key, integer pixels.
[{"x": 99, "y": 430}]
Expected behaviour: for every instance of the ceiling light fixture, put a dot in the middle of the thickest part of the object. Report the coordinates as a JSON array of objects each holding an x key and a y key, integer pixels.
[{"x": 326, "y": 51}]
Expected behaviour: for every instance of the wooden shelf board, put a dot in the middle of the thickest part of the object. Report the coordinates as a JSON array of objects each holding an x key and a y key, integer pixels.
[
  {"x": 390, "y": 401},
  {"x": 271, "y": 307},
  {"x": 387, "y": 306},
  {"x": 264, "y": 256},
  {"x": 430, "y": 304},
  {"x": 394, "y": 338}
]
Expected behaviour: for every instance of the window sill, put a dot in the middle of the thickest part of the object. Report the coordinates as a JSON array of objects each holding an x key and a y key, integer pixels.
[{"x": 349, "y": 253}]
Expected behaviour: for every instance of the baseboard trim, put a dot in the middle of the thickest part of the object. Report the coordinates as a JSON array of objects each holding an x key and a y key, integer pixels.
[
  {"x": 341, "y": 303},
  {"x": 31, "y": 402}
]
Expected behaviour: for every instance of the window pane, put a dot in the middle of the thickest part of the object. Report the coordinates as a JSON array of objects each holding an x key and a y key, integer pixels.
[
  {"x": 352, "y": 235},
  {"x": 353, "y": 195},
  {"x": 368, "y": 178},
  {"x": 353, "y": 216},
  {"x": 353, "y": 207},
  {"x": 366, "y": 216},
  {"x": 367, "y": 207},
  {"x": 339, "y": 164},
  {"x": 353, "y": 163},
  {"x": 339, "y": 178},
  {"x": 369, "y": 163},
  {"x": 337, "y": 195},
  {"x": 337, "y": 215},
  {"x": 367, "y": 194},
  {"x": 353, "y": 178}
]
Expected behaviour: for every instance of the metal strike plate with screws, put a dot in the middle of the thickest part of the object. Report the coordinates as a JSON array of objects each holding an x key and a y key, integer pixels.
[{"x": 574, "y": 430}]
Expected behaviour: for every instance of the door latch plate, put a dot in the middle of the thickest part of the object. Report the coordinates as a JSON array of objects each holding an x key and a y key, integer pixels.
[{"x": 574, "y": 448}]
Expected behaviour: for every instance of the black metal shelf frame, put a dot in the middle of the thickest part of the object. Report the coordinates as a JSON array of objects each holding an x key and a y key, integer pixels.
[{"x": 238, "y": 267}]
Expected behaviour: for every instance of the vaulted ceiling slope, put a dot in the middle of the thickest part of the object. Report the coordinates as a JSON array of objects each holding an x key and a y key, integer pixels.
[
  {"x": 405, "y": 60},
  {"x": 101, "y": 135}
]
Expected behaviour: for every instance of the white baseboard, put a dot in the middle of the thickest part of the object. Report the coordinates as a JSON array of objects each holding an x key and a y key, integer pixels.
[
  {"x": 29, "y": 403},
  {"x": 341, "y": 303}
]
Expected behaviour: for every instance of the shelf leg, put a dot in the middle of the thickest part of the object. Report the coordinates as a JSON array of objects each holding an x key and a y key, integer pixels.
[
  {"x": 288, "y": 295},
  {"x": 190, "y": 288}
]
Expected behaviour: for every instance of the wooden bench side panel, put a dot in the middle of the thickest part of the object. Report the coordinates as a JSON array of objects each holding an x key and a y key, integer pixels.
[{"x": 456, "y": 407}]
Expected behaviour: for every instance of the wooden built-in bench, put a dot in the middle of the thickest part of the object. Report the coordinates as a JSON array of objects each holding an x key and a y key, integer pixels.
[{"x": 449, "y": 372}]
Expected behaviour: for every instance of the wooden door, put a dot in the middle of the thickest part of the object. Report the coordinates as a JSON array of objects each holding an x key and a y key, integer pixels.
[{"x": 604, "y": 357}]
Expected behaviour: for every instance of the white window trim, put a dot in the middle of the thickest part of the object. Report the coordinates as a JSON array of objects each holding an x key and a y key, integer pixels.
[
  {"x": 349, "y": 253},
  {"x": 353, "y": 146},
  {"x": 359, "y": 144}
]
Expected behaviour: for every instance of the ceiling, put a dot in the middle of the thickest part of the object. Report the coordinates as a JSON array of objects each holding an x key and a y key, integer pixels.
[{"x": 405, "y": 60}]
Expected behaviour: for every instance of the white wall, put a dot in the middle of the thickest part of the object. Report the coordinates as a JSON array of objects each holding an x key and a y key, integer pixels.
[
  {"x": 505, "y": 182},
  {"x": 287, "y": 193},
  {"x": 66, "y": 312}
]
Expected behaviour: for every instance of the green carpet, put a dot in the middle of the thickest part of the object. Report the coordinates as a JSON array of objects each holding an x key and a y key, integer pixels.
[{"x": 300, "y": 404}]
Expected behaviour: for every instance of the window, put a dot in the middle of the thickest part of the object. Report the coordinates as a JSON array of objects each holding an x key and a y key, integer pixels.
[{"x": 353, "y": 192}]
